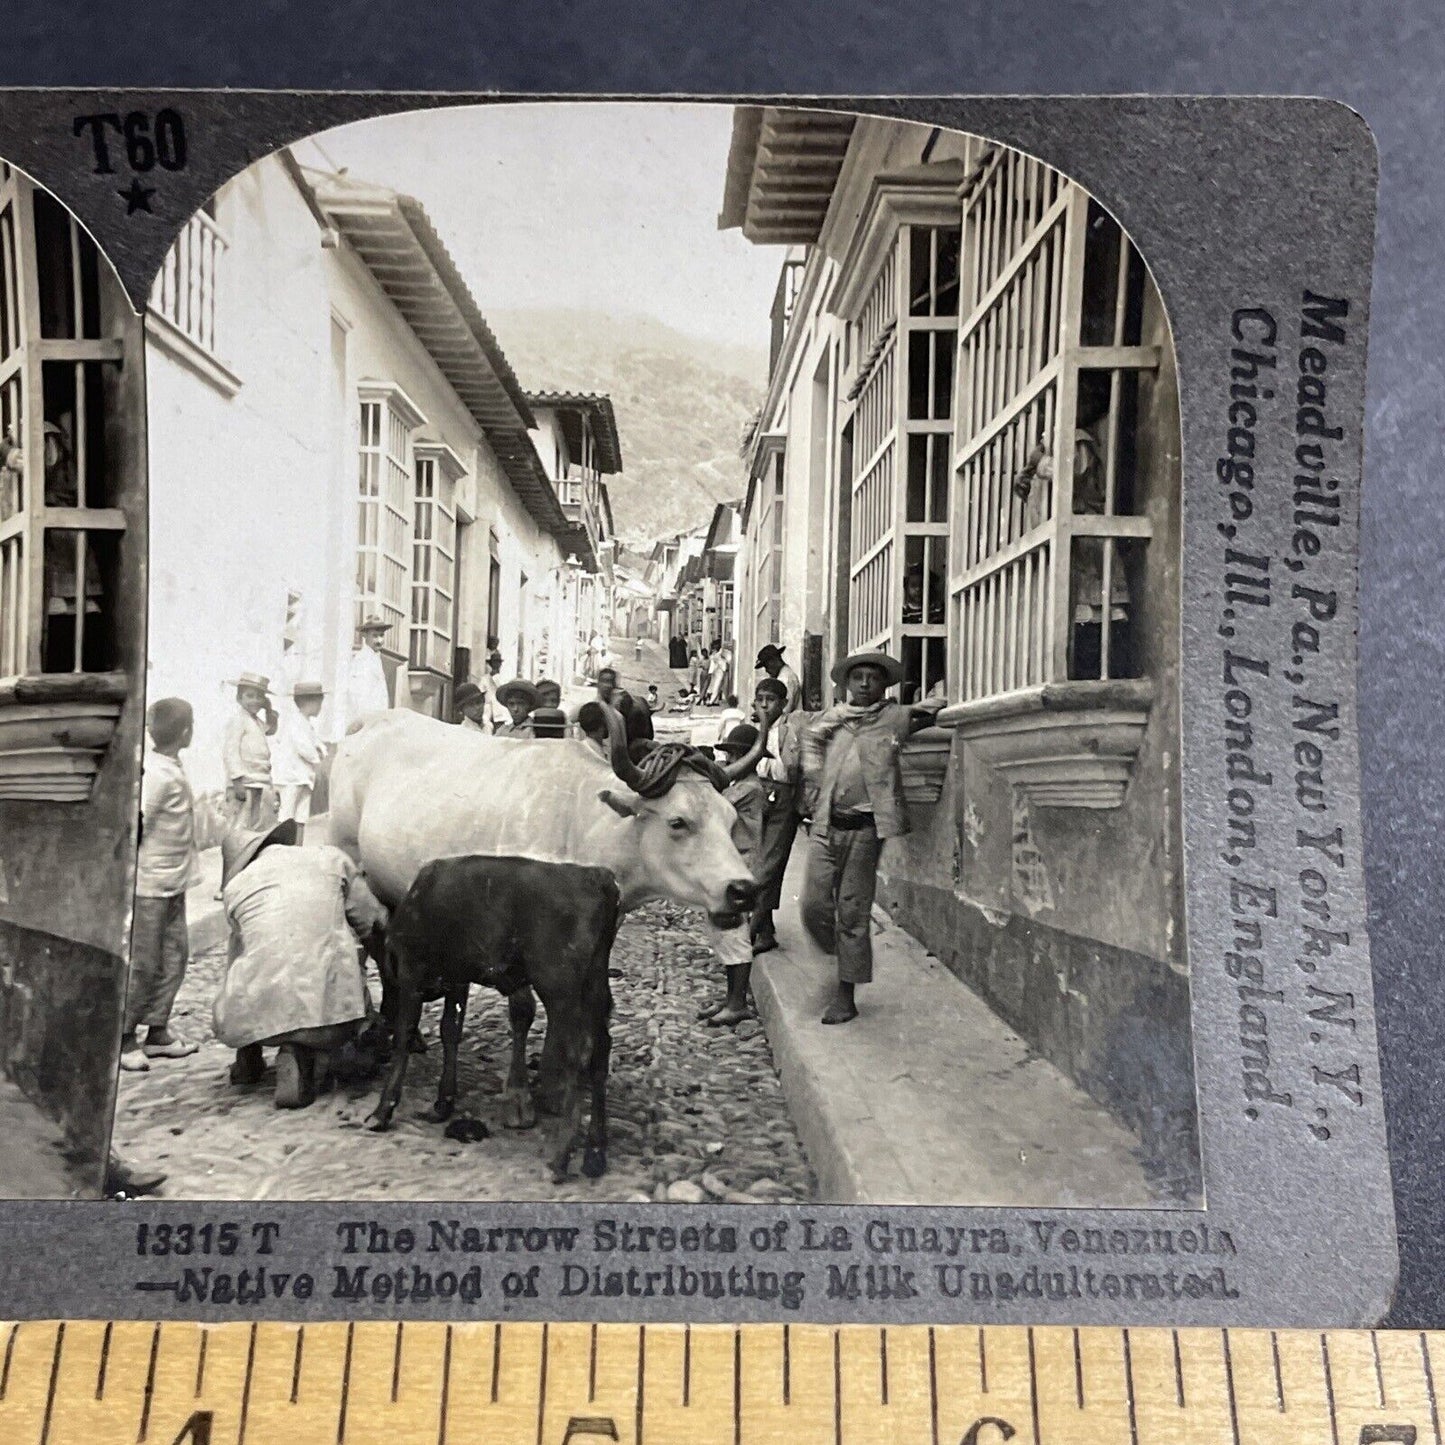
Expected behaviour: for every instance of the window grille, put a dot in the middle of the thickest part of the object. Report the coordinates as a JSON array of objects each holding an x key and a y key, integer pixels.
[
  {"x": 897, "y": 442},
  {"x": 434, "y": 553},
  {"x": 385, "y": 511},
  {"x": 1048, "y": 362},
  {"x": 769, "y": 549},
  {"x": 185, "y": 292},
  {"x": 61, "y": 356}
]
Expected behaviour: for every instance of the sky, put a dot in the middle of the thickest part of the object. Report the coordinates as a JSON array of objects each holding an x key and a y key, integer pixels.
[{"x": 607, "y": 205}]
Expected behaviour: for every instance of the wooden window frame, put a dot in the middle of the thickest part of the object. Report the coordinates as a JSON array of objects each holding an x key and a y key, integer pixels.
[
  {"x": 434, "y": 555},
  {"x": 384, "y": 589}
]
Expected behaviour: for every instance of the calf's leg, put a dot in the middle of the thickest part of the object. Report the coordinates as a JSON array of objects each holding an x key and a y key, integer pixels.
[
  {"x": 518, "y": 1111},
  {"x": 454, "y": 1010},
  {"x": 408, "y": 1014}
]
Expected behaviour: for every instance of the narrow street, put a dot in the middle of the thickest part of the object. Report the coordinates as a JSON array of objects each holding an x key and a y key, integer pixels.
[{"x": 695, "y": 1113}]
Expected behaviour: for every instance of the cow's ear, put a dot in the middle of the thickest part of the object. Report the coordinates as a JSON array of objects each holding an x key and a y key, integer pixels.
[{"x": 620, "y": 806}]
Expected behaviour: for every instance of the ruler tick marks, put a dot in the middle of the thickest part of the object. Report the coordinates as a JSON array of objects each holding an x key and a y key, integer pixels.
[
  {"x": 496, "y": 1360},
  {"x": 1278, "y": 1373},
  {"x": 933, "y": 1386},
  {"x": 345, "y": 1385},
  {"x": 737, "y": 1387},
  {"x": 104, "y": 1361},
  {"x": 1178, "y": 1372},
  {"x": 1078, "y": 1371},
  {"x": 982, "y": 1362},
  {"x": 787, "y": 1367},
  {"x": 296, "y": 1365},
  {"x": 592, "y": 1367},
  {"x": 201, "y": 1360},
  {"x": 542, "y": 1387},
  {"x": 1033, "y": 1385},
  {"x": 1430, "y": 1387},
  {"x": 837, "y": 1389},
  {"x": 1379, "y": 1371},
  {"x": 54, "y": 1377},
  {"x": 1330, "y": 1389},
  {"x": 446, "y": 1390},
  {"x": 1229, "y": 1386},
  {"x": 883, "y": 1365},
  {"x": 9, "y": 1351},
  {"x": 1129, "y": 1390},
  {"x": 246, "y": 1388},
  {"x": 687, "y": 1364},
  {"x": 150, "y": 1387},
  {"x": 641, "y": 1377},
  {"x": 396, "y": 1364}
]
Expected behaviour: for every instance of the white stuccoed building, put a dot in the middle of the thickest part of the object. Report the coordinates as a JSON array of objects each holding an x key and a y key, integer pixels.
[{"x": 335, "y": 433}]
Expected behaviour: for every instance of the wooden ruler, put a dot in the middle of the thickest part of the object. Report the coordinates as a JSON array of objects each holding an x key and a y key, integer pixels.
[{"x": 129, "y": 1383}]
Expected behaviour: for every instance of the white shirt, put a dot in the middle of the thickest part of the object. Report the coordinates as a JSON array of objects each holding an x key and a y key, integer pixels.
[
  {"x": 296, "y": 750},
  {"x": 366, "y": 689}
]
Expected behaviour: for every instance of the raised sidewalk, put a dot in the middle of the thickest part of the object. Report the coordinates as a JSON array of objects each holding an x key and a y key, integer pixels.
[{"x": 927, "y": 1097}]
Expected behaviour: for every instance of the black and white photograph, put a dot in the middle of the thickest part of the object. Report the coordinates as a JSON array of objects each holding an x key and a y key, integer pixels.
[{"x": 662, "y": 673}]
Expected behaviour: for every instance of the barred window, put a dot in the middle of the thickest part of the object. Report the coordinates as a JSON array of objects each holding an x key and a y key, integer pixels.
[
  {"x": 385, "y": 506},
  {"x": 186, "y": 292},
  {"x": 434, "y": 557},
  {"x": 896, "y": 445},
  {"x": 1049, "y": 362},
  {"x": 64, "y": 455}
]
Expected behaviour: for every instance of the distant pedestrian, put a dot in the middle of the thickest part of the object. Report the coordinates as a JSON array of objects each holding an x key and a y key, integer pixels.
[
  {"x": 637, "y": 650},
  {"x": 697, "y": 672},
  {"x": 716, "y": 673},
  {"x": 740, "y": 750},
  {"x": 167, "y": 864},
  {"x": 770, "y": 661},
  {"x": 297, "y": 754},
  {"x": 246, "y": 753},
  {"x": 855, "y": 799}
]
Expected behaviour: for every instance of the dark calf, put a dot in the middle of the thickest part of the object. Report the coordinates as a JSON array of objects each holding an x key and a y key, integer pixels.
[{"x": 516, "y": 925}]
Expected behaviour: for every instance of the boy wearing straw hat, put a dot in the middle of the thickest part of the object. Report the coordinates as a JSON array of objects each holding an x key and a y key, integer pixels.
[
  {"x": 519, "y": 697},
  {"x": 854, "y": 795},
  {"x": 297, "y": 754},
  {"x": 246, "y": 752}
]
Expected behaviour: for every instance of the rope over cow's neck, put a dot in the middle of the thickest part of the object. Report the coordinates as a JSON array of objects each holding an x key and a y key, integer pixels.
[{"x": 655, "y": 774}]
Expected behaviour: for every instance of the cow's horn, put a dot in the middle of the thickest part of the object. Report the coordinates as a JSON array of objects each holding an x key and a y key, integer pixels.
[{"x": 622, "y": 763}]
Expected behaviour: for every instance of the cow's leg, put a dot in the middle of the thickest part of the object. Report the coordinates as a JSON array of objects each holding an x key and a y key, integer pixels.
[
  {"x": 408, "y": 1013},
  {"x": 594, "y": 1156},
  {"x": 551, "y": 1074},
  {"x": 518, "y": 1111},
  {"x": 454, "y": 1011}
]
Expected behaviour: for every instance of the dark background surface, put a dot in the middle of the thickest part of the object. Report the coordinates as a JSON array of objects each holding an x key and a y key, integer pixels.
[{"x": 1387, "y": 60}]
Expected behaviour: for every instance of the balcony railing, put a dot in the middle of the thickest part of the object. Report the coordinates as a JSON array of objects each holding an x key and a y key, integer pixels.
[{"x": 185, "y": 291}]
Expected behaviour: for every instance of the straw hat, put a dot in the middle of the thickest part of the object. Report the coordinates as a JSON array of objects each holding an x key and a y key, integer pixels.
[
  {"x": 239, "y": 847},
  {"x": 375, "y": 624},
  {"x": 518, "y": 688},
  {"x": 253, "y": 679},
  {"x": 890, "y": 667},
  {"x": 308, "y": 689}
]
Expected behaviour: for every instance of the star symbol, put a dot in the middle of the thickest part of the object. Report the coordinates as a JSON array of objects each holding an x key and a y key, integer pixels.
[{"x": 137, "y": 197}]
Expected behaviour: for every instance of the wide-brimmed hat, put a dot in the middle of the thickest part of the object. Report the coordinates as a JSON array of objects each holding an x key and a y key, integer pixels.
[
  {"x": 519, "y": 687},
  {"x": 374, "y": 624},
  {"x": 239, "y": 846},
  {"x": 739, "y": 740},
  {"x": 890, "y": 667},
  {"x": 768, "y": 650},
  {"x": 467, "y": 693},
  {"x": 253, "y": 679},
  {"x": 308, "y": 689}
]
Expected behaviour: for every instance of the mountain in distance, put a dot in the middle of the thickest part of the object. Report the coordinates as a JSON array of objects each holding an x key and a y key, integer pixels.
[{"x": 682, "y": 405}]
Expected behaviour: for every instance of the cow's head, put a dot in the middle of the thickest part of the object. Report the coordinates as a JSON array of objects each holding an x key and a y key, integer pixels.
[{"x": 683, "y": 837}]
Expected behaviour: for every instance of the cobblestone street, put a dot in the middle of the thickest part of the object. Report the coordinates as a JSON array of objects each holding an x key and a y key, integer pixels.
[{"x": 695, "y": 1113}]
